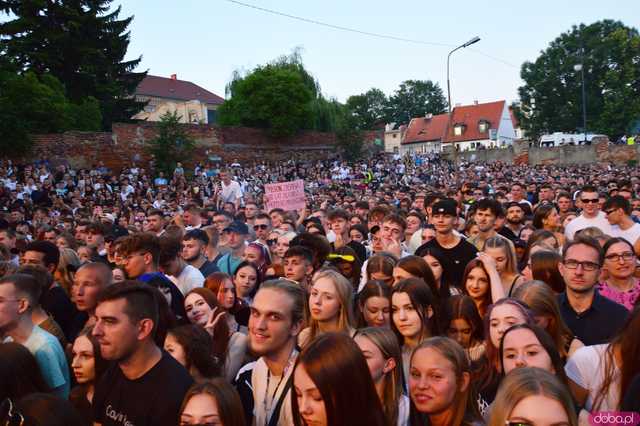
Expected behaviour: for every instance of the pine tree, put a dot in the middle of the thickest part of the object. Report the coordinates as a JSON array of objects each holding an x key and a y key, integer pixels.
[{"x": 80, "y": 42}]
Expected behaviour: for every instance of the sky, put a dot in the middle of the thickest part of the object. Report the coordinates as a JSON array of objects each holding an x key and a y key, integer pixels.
[{"x": 204, "y": 41}]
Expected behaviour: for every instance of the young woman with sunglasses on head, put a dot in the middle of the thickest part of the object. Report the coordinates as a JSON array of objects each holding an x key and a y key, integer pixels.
[
  {"x": 620, "y": 262},
  {"x": 412, "y": 316},
  {"x": 330, "y": 306},
  {"x": 532, "y": 397},
  {"x": 382, "y": 352},
  {"x": 374, "y": 305},
  {"x": 440, "y": 385},
  {"x": 320, "y": 396}
]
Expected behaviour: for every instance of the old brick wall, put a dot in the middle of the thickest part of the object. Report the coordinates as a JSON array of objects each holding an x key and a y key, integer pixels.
[{"x": 128, "y": 142}]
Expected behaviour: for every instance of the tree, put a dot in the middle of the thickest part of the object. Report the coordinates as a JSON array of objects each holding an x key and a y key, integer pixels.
[
  {"x": 349, "y": 138},
  {"x": 278, "y": 97},
  {"x": 80, "y": 43},
  {"x": 368, "y": 108},
  {"x": 415, "y": 98},
  {"x": 551, "y": 98},
  {"x": 172, "y": 145},
  {"x": 31, "y": 104}
]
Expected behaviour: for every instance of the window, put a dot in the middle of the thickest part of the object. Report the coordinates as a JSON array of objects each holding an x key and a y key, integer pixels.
[
  {"x": 394, "y": 135},
  {"x": 458, "y": 129},
  {"x": 483, "y": 126},
  {"x": 212, "y": 116}
]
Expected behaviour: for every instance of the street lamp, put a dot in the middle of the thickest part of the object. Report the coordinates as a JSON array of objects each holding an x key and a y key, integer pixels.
[
  {"x": 467, "y": 44},
  {"x": 580, "y": 67}
]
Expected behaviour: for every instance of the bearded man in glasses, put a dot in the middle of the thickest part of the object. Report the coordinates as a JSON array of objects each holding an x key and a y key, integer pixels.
[{"x": 591, "y": 214}]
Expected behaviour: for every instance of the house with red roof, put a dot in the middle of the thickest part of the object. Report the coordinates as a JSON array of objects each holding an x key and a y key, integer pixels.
[
  {"x": 424, "y": 134},
  {"x": 194, "y": 104},
  {"x": 478, "y": 126}
]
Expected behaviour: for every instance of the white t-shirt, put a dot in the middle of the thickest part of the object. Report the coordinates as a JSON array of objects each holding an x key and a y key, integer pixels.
[
  {"x": 231, "y": 192},
  {"x": 581, "y": 222},
  {"x": 586, "y": 368},
  {"x": 632, "y": 234},
  {"x": 189, "y": 278}
]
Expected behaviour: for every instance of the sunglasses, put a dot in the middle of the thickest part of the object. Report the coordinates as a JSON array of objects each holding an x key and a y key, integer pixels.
[
  {"x": 346, "y": 257},
  {"x": 610, "y": 211},
  {"x": 256, "y": 227},
  {"x": 590, "y": 200},
  {"x": 272, "y": 242}
]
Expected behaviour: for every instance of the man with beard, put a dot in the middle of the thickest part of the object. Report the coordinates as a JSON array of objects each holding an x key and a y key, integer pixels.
[
  {"x": 275, "y": 322},
  {"x": 194, "y": 245},
  {"x": 514, "y": 222},
  {"x": 144, "y": 385}
]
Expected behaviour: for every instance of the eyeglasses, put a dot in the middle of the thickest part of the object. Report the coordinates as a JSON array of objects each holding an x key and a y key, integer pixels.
[
  {"x": 626, "y": 256},
  {"x": 9, "y": 416},
  {"x": 256, "y": 227},
  {"x": 272, "y": 242},
  {"x": 590, "y": 200},
  {"x": 586, "y": 266},
  {"x": 608, "y": 212}
]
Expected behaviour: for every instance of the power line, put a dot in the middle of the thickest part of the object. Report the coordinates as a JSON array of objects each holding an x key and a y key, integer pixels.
[{"x": 361, "y": 32}]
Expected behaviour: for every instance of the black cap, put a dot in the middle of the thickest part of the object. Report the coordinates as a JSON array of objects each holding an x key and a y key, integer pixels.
[
  {"x": 237, "y": 227},
  {"x": 447, "y": 206}
]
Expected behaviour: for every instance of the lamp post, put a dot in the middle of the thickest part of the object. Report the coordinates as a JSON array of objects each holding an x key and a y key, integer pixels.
[
  {"x": 580, "y": 67},
  {"x": 467, "y": 44}
]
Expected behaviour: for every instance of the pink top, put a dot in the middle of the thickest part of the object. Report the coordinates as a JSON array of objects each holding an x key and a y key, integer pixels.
[{"x": 625, "y": 298}]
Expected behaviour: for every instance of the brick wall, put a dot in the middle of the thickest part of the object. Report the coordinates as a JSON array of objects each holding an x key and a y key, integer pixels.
[{"x": 127, "y": 142}]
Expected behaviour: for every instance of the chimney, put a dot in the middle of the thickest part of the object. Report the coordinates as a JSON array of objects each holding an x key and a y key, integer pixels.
[{"x": 174, "y": 76}]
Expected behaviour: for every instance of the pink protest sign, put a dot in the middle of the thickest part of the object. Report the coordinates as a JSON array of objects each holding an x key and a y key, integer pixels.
[{"x": 285, "y": 195}]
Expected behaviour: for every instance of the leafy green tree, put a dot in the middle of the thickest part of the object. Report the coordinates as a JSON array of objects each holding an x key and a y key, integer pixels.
[
  {"x": 551, "y": 97},
  {"x": 172, "y": 145},
  {"x": 278, "y": 97},
  {"x": 368, "y": 108},
  {"x": 30, "y": 104},
  {"x": 81, "y": 43},
  {"x": 415, "y": 98},
  {"x": 349, "y": 138}
]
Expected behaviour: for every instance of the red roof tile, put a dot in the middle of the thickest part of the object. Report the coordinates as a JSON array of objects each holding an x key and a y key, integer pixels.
[
  {"x": 470, "y": 116},
  {"x": 424, "y": 129},
  {"x": 162, "y": 87}
]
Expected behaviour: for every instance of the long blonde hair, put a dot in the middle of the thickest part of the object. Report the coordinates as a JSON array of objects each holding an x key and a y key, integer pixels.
[
  {"x": 529, "y": 381},
  {"x": 386, "y": 341},
  {"x": 344, "y": 289}
]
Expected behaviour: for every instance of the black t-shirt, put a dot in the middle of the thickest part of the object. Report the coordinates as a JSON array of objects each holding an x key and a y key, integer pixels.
[
  {"x": 455, "y": 258},
  {"x": 56, "y": 302},
  {"x": 151, "y": 400}
]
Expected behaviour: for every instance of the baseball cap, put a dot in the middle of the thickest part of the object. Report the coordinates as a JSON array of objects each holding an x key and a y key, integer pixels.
[
  {"x": 237, "y": 227},
  {"x": 447, "y": 206}
]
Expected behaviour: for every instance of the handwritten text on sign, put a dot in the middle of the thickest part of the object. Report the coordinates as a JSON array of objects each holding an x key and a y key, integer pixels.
[{"x": 285, "y": 195}]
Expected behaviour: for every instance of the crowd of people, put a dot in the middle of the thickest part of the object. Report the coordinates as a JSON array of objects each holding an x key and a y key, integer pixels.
[{"x": 408, "y": 291}]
